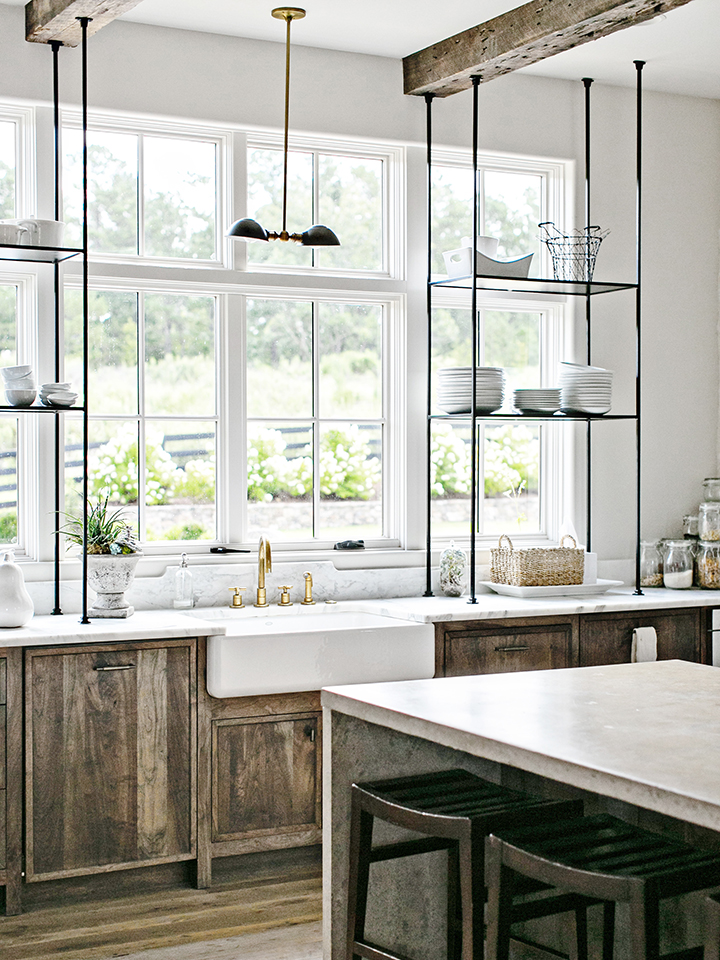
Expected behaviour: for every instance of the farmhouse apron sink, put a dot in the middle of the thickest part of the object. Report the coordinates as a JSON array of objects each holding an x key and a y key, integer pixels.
[{"x": 281, "y": 651}]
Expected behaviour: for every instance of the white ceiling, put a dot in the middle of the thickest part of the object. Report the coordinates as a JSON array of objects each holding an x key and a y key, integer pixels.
[{"x": 681, "y": 47}]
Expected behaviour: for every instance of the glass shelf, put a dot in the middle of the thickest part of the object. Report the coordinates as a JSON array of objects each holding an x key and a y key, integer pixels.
[
  {"x": 552, "y": 417},
  {"x": 37, "y": 254},
  {"x": 39, "y": 408},
  {"x": 573, "y": 288}
]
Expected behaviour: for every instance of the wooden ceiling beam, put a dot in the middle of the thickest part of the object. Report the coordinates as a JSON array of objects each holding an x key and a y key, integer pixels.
[
  {"x": 525, "y": 35},
  {"x": 48, "y": 20}
]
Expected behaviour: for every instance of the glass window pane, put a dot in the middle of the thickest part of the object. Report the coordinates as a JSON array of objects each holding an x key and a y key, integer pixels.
[
  {"x": 279, "y": 358},
  {"x": 265, "y": 187},
  {"x": 8, "y": 481},
  {"x": 7, "y": 169},
  {"x": 112, "y": 190},
  {"x": 450, "y": 479},
  {"x": 180, "y": 188},
  {"x": 350, "y": 482},
  {"x": 350, "y": 360},
  {"x": 280, "y": 481},
  {"x": 512, "y": 465},
  {"x": 452, "y": 194},
  {"x": 512, "y": 341},
  {"x": 351, "y": 204},
  {"x": 180, "y": 480},
  {"x": 179, "y": 355},
  {"x": 8, "y": 324},
  {"x": 113, "y": 388},
  {"x": 512, "y": 212}
]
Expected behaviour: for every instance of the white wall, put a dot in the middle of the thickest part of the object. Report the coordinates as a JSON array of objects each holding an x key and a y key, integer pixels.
[{"x": 178, "y": 73}]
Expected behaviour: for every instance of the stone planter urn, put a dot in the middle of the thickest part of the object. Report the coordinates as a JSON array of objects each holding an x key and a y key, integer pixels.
[{"x": 109, "y": 575}]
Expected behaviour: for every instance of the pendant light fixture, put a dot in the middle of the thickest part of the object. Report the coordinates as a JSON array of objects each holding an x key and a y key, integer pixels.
[{"x": 248, "y": 229}]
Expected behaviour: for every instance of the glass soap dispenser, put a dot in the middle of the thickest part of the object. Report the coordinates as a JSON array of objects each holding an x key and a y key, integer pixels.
[{"x": 183, "y": 586}]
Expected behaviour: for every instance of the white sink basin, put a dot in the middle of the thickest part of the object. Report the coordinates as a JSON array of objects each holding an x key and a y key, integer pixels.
[{"x": 289, "y": 651}]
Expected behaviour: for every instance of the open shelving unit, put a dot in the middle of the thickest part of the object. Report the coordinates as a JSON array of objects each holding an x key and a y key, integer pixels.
[
  {"x": 55, "y": 256},
  {"x": 536, "y": 287}
]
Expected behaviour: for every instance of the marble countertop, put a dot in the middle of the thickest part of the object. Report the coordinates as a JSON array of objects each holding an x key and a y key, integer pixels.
[
  {"x": 492, "y": 606},
  {"x": 644, "y": 733},
  {"x": 43, "y": 631}
]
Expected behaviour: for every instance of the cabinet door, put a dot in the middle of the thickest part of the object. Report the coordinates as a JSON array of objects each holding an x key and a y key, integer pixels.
[
  {"x": 110, "y": 757},
  {"x": 266, "y": 775},
  {"x": 607, "y": 638},
  {"x": 507, "y": 647},
  {"x": 11, "y": 777}
]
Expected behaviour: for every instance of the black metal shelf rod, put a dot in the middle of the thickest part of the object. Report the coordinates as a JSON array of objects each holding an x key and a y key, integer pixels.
[
  {"x": 639, "y": 64},
  {"x": 428, "y": 295}
]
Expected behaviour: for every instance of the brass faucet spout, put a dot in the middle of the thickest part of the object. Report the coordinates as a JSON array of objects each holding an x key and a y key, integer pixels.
[{"x": 264, "y": 566}]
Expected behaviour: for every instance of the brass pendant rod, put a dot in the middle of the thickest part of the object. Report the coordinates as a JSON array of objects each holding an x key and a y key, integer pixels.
[{"x": 288, "y": 20}]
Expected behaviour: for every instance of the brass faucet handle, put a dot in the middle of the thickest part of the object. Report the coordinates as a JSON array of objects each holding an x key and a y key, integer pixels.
[
  {"x": 308, "y": 599},
  {"x": 236, "y": 600},
  {"x": 285, "y": 600}
]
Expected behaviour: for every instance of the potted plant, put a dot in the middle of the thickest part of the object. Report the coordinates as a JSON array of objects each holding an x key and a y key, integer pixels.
[{"x": 112, "y": 555}]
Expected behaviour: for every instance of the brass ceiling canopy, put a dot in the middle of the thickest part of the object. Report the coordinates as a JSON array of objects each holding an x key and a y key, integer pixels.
[{"x": 317, "y": 235}]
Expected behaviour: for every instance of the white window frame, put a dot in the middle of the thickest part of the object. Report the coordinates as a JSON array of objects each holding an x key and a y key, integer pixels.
[
  {"x": 142, "y": 127},
  {"x": 393, "y": 239}
]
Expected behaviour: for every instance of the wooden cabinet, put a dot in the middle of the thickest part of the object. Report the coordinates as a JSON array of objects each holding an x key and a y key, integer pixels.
[
  {"x": 503, "y": 646},
  {"x": 681, "y": 635},
  {"x": 110, "y": 756},
  {"x": 11, "y": 777}
]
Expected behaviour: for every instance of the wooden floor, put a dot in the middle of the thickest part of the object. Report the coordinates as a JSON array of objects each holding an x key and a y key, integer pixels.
[{"x": 273, "y": 914}]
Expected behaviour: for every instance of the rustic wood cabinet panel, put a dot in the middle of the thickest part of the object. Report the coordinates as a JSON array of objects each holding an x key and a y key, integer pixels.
[
  {"x": 111, "y": 767},
  {"x": 507, "y": 645},
  {"x": 265, "y": 776},
  {"x": 11, "y": 777},
  {"x": 607, "y": 638}
]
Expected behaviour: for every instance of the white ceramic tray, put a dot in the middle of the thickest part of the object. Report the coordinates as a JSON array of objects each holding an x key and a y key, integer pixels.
[{"x": 568, "y": 590}]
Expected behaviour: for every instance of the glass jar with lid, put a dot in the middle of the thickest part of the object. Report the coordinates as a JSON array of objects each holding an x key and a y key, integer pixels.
[
  {"x": 690, "y": 527},
  {"x": 678, "y": 564},
  {"x": 651, "y": 564},
  {"x": 711, "y": 488},
  {"x": 709, "y": 520},
  {"x": 708, "y": 565}
]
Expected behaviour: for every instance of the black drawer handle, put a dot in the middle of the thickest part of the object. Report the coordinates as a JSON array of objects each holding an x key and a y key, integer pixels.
[
  {"x": 518, "y": 649},
  {"x": 119, "y": 666},
  {"x": 310, "y": 732}
]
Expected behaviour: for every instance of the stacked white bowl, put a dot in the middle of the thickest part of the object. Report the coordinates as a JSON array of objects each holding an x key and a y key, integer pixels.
[
  {"x": 19, "y": 385},
  {"x": 57, "y": 395},
  {"x": 585, "y": 389},
  {"x": 542, "y": 400},
  {"x": 455, "y": 389}
]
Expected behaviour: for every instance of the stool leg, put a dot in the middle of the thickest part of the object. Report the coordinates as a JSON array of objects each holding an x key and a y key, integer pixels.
[
  {"x": 361, "y": 828},
  {"x": 609, "y": 930},
  {"x": 581, "y": 934},
  {"x": 500, "y": 895},
  {"x": 712, "y": 929},
  {"x": 644, "y": 924},
  {"x": 467, "y": 900},
  {"x": 454, "y": 912}
]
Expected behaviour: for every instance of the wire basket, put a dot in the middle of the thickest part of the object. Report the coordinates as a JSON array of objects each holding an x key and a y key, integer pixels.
[{"x": 573, "y": 254}]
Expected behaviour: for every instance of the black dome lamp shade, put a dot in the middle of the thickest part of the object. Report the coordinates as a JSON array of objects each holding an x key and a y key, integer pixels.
[{"x": 247, "y": 229}]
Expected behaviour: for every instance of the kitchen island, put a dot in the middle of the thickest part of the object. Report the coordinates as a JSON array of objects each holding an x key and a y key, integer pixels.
[{"x": 640, "y": 740}]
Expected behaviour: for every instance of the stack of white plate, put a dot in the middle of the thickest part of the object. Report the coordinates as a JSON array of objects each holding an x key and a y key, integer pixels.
[
  {"x": 545, "y": 400},
  {"x": 455, "y": 389},
  {"x": 57, "y": 395},
  {"x": 585, "y": 389}
]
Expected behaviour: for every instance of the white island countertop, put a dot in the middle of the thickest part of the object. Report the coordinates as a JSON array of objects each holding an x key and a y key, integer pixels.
[
  {"x": 644, "y": 733},
  {"x": 142, "y": 625}
]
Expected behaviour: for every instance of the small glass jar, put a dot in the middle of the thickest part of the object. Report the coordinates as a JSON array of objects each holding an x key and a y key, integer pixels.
[
  {"x": 678, "y": 564},
  {"x": 453, "y": 570},
  {"x": 690, "y": 527},
  {"x": 709, "y": 520},
  {"x": 711, "y": 488},
  {"x": 708, "y": 565},
  {"x": 651, "y": 564}
]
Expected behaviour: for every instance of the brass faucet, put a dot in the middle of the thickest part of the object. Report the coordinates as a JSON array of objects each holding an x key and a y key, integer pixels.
[
  {"x": 264, "y": 566},
  {"x": 308, "y": 601}
]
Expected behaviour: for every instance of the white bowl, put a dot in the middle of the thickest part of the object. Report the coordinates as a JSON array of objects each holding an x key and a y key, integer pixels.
[
  {"x": 19, "y": 398},
  {"x": 21, "y": 383},
  {"x": 52, "y": 387},
  {"x": 12, "y": 373}
]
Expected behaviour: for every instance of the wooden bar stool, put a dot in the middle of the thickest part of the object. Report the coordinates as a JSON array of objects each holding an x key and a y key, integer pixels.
[
  {"x": 599, "y": 857},
  {"x": 712, "y": 927},
  {"x": 453, "y": 810}
]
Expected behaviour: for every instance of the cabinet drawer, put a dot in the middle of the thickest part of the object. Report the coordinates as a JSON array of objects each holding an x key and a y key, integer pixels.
[
  {"x": 508, "y": 649},
  {"x": 608, "y": 639}
]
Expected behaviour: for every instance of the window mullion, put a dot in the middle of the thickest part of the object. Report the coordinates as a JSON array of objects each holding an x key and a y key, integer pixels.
[
  {"x": 141, "y": 196},
  {"x": 315, "y": 413},
  {"x": 141, "y": 413}
]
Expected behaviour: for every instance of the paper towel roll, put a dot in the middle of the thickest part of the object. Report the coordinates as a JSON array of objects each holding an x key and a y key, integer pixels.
[{"x": 644, "y": 645}]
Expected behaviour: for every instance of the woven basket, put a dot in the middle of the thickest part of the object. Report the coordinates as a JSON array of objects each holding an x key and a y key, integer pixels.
[{"x": 537, "y": 566}]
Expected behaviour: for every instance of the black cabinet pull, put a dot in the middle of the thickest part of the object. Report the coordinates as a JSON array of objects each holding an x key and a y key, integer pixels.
[
  {"x": 119, "y": 666},
  {"x": 517, "y": 649},
  {"x": 310, "y": 732}
]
